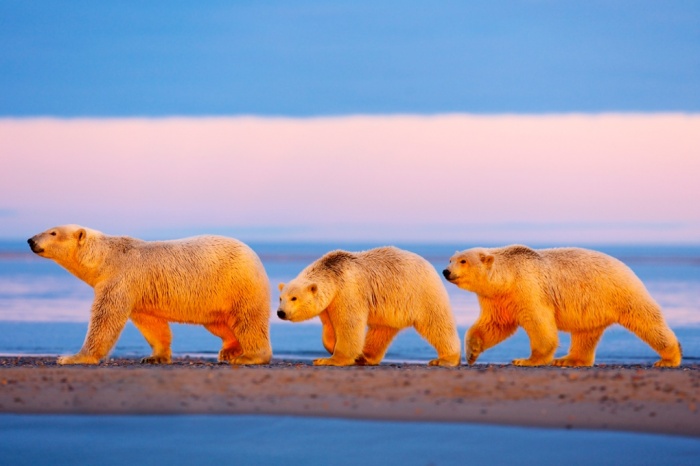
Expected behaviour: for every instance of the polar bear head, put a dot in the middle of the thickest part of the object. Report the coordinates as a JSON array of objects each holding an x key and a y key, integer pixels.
[
  {"x": 59, "y": 243},
  {"x": 300, "y": 300},
  {"x": 312, "y": 291},
  {"x": 470, "y": 269},
  {"x": 306, "y": 296},
  {"x": 78, "y": 249}
]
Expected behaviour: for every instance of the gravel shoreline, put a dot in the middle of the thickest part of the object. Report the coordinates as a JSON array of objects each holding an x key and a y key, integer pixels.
[{"x": 616, "y": 397}]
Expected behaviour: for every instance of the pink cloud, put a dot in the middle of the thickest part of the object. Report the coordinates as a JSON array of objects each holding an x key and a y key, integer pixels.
[{"x": 409, "y": 173}]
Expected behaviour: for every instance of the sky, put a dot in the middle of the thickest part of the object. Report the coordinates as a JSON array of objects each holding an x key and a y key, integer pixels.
[{"x": 571, "y": 122}]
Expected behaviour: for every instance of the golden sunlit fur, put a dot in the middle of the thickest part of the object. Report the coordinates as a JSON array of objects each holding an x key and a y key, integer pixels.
[
  {"x": 364, "y": 299},
  {"x": 209, "y": 280},
  {"x": 569, "y": 289}
]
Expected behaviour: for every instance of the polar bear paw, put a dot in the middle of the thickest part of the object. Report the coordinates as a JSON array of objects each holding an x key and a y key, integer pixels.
[
  {"x": 364, "y": 361},
  {"x": 77, "y": 359},
  {"x": 334, "y": 362},
  {"x": 666, "y": 363},
  {"x": 571, "y": 362},
  {"x": 445, "y": 362},
  {"x": 528, "y": 362},
  {"x": 156, "y": 360}
]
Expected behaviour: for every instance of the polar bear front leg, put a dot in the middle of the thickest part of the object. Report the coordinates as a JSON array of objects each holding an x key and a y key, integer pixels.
[
  {"x": 484, "y": 334},
  {"x": 542, "y": 330},
  {"x": 328, "y": 334},
  {"x": 377, "y": 342},
  {"x": 78, "y": 358},
  {"x": 350, "y": 336},
  {"x": 108, "y": 316}
]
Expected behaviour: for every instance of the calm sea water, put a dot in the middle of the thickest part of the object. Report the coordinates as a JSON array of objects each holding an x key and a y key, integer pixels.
[
  {"x": 195, "y": 439},
  {"x": 44, "y": 310}
]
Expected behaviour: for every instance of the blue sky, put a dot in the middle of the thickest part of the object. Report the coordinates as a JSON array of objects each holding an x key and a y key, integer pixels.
[
  {"x": 479, "y": 122},
  {"x": 302, "y": 58}
]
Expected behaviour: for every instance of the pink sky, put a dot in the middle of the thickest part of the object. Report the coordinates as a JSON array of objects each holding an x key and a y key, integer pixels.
[{"x": 559, "y": 178}]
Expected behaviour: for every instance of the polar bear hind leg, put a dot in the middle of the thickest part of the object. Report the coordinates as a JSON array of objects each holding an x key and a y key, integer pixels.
[
  {"x": 582, "y": 350},
  {"x": 653, "y": 330},
  {"x": 230, "y": 347},
  {"x": 542, "y": 330},
  {"x": 157, "y": 333},
  {"x": 377, "y": 341},
  {"x": 445, "y": 341}
]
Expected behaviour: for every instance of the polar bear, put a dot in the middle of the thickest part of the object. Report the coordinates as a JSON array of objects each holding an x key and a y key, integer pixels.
[
  {"x": 364, "y": 299},
  {"x": 569, "y": 289},
  {"x": 214, "y": 281}
]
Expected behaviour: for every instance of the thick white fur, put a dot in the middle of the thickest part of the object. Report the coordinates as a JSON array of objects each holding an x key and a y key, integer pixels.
[
  {"x": 569, "y": 289},
  {"x": 214, "y": 281},
  {"x": 365, "y": 298}
]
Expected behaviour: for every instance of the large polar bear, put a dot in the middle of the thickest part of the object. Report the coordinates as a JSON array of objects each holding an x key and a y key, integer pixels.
[
  {"x": 210, "y": 280},
  {"x": 569, "y": 289},
  {"x": 365, "y": 298}
]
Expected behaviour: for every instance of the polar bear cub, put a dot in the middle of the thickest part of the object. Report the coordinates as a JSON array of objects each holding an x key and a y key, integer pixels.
[{"x": 365, "y": 298}]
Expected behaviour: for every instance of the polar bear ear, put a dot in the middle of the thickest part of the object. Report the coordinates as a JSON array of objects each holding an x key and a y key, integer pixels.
[
  {"x": 80, "y": 235},
  {"x": 486, "y": 259},
  {"x": 280, "y": 286},
  {"x": 313, "y": 288}
]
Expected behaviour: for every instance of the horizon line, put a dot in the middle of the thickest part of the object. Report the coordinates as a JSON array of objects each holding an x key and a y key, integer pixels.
[{"x": 422, "y": 115}]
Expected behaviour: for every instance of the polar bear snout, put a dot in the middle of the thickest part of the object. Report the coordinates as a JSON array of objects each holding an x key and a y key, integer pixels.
[
  {"x": 446, "y": 273},
  {"x": 281, "y": 314},
  {"x": 34, "y": 245}
]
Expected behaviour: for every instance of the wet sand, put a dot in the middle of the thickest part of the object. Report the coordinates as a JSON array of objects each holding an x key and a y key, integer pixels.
[{"x": 626, "y": 398}]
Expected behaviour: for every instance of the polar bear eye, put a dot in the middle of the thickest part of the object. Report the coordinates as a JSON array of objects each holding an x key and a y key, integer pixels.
[
  {"x": 294, "y": 298},
  {"x": 463, "y": 261},
  {"x": 53, "y": 233}
]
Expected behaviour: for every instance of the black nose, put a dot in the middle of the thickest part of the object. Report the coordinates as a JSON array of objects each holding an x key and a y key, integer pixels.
[
  {"x": 34, "y": 246},
  {"x": 281, "y": 314},
  {"x": 446, "y": 273}
]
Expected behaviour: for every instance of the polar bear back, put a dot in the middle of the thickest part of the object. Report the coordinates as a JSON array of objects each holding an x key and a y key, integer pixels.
[
  {"x": 180, "y": 279},
  {"x": 398, "y": 287},
  {"x": 588, "y": 287}
]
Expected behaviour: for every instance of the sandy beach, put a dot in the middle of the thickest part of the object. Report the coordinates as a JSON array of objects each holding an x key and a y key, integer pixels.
[{"x": 623, "y": 398}]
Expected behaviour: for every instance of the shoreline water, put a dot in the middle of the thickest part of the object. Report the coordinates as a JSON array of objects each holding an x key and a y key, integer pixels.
[{"x": 269, "y": 439}]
